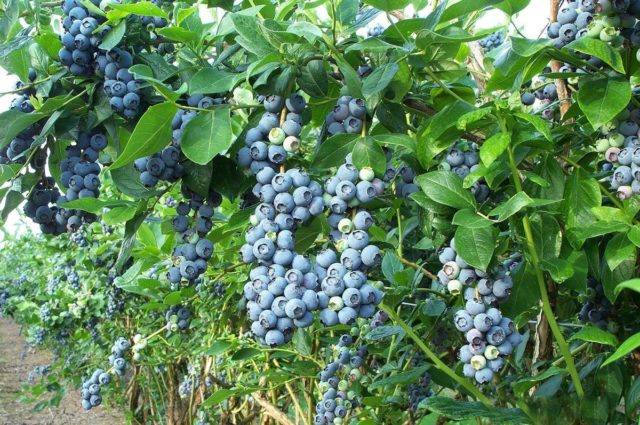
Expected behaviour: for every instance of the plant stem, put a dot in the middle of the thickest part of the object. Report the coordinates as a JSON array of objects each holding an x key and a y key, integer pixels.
[
  {"x": 542, "y": 286},
  {"x": 439, "y": 364}
]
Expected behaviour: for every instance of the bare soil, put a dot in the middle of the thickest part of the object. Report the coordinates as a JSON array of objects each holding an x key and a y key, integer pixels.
[{"x": 13, "y": 374}]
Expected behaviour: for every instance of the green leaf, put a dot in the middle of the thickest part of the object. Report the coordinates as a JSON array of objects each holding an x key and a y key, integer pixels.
[
  {"x": 581, "y": 195},
  {"x": 334, "y": 150},
  {"x": 461, "y": 410},
  {"x": 514, "y": 204},
  {"x": 178, "y": 34},
  {"x": 207, "y": 135},
  {"x": 127, "y": 180},
  {"x": 198, "y": 177},
  {"x": 144, "y": 8},
  {"x": 114, "y": 36},
  {"x": 95, "y": 205},
  {"x": 390, "y": 266},
  {"x": 476, "y": 245},
  {"x": 379, "y": 79},
  {"x": 118, "y": 215},
  {"x": 12, "y": 122},
  {"x": 528, "y": 47},
  {"x": 462, "y": 8},
  {"x": 306, "y": 235},
  {"x": 367, "y": 153},
  {"x": 634, "y": 235},
  {"x": 633, "y": 284},
  {"x": 523, "y": 385},
  {"x": 597, "y": 335},
  {"x": 470, "y": 117},
  {"x": 221, "y": 395},
  {"x": 383, "y": 332},
  {"x": 468, "y": 218},
  {"x": 407, "y": 377},
  {"x": 445, "y": 187},
  {"x": 395, "y": 140},
  {"x": 211, "y": 80},
  {"x": 619, "y": 249},
  {"x": 603, "y": 98},
  {"x": 388, "y": 5},
  {"x": 493, "y": 147},
  {"x": 538, "y": 123},
  {"x": 313, "y": 79},
  {"x": 559, "y": 269},
  {"x": 250, "y": 37},
  {"x": 152, "y": 133},
  {"x": 600, "y": 49},
  {"x": 625, "y": 348}
]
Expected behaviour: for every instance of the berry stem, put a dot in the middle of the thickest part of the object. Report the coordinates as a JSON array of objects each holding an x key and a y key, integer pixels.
[
  {"x": 535, "y": 263},
  {"x": 434, "y": 358}
]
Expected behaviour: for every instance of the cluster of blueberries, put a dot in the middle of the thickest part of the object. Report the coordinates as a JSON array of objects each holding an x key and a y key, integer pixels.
[
  {"x": 91, "y": 388},
  {"x": 574, "y": 21},
  {"x": 115, "y": 297},
  {"x": 72, "y": 278},
  {"x": 116, "y": 358},
  {"x": 15, "y": 150},
  {"x": 347, "y": 116},
  {"x": 268, "y": 144},
  {"x": 546, "y": 91},
  {"x": 178, "y": 318},
  {"x": 81, "y": 37},
  {"x": 492, "y": 41},
  {"x": 79, "y": 239},
  {"x": 194, "y": 251},
  {"x": 490, "y": 336},
  {"x": 464, "y": 158},
  {"x": 597, "y": 309},
  {"x": 45, "y": 313},
  {"x": 621, "y": 148},
  {"x": 80, "y": 169},
  {"x": 119, "y": 85},
  {"x": 335, "y": 380},
  {"x": 285, "y": 287},
  {"x": 42, "y": 209},
  {"x": 281, "y": 291},
  {"x": 405, "y": 186},
  {"x": 38, "y": 335},
  {"x": 418, "y": 391}
]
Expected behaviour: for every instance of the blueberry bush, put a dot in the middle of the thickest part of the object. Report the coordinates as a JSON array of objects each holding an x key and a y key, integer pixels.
[{"x": 261, "y": 212}]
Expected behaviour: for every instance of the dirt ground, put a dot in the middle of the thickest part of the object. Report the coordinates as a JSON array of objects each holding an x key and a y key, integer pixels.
[{"x": 14, "y": 372}]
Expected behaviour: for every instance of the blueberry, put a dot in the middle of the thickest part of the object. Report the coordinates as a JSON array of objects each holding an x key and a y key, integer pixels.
[
  {"x": 273, "y": 103},
  {"x": 274, "y": 338},
  {"x": 296, "y": 103}
]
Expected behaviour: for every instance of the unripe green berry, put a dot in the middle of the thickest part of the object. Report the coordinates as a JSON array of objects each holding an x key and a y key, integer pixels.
[
  {"x": 277, "y": 136},
  {"x": 367, "y": 174}
]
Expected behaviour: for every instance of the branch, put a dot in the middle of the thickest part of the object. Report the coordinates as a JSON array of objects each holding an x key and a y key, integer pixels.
[
  {"x": 561, "y": 87},
  {"x": 272, "y": 410}
]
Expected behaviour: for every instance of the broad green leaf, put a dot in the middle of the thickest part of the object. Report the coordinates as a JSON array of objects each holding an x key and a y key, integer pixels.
[
  {"x": 152, "y": 133},
  {"x": 559, "y": 269},
  {"x": 395, "y": 140},
  {"x": 95, "y": 205},
  {"x": 313, "y": 79},
  {"x": 411, "y": 375},
  {"x": 472, "y": 117},
  {"x": 198, "y": 177},
  {"x": 462, "y": 410},
  {"x": 211, "y": 80},
  {"x": 468, "y": 218},
  {"x": 250, "y": 37},
  {"x": 144, "y": 8},
  {"x": 634, "y": 235},
  {"x": 367, "y": 153},
  {"x": 379, "y": 79},
  {"x": 625, "y": 348},
  {"x": 118, "y": 215},
  {"x": 633, "y": 284},
  {"x": 523, "y": 385},
  {"x": 600, "y": 49},
  {"x": 493, "y": 147},
  {"x": 445, "y": 187},
  {"x": 619, "y": 249},
  {"x": 528, "y": 47},
  {"x": 514, "y": 204},
  {"x": 127, "y": 180},
  {"x": 603, "y": 98},
  {"x": 388, "y": 5},
  {"x": 390, "y": 266},
  {"x": 462, "y": 7},
  {"x": 334, "y": 150},
  {"x": 306, "y": 235},
  {"x": 383, "y": 332},
  {"x": 114, "y": 36},
  {"x": 207, "y": 135},
  {"x": 597, "y": 335},
  {"x": 581, "y": 194},
  {"x": 476, "y": 245},
  {"x": 179, "y": 34},
  {"x": 538, "y": 123}
]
